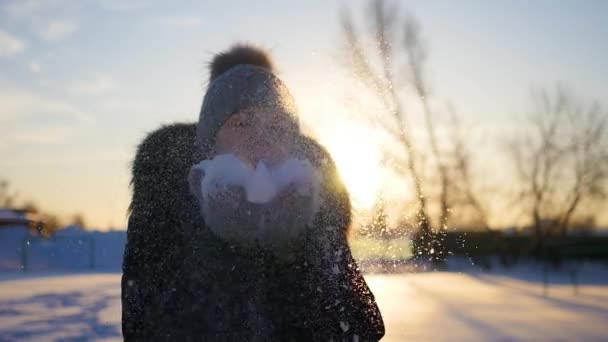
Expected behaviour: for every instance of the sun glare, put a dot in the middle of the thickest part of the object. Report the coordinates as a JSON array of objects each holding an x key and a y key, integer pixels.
[{"x": 358, "y": 162}]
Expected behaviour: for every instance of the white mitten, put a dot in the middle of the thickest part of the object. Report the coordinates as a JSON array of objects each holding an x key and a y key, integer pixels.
[{"x": 270, "y": 206}]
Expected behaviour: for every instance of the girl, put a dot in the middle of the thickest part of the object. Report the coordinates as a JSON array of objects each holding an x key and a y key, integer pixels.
[{"x": 212, "y": 254}]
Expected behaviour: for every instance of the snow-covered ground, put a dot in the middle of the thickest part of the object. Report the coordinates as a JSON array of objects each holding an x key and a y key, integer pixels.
[
  {"x": 433, "y": 306},
  {"x": 82, "y": 307},
  {"x": 468, "y": 307}
]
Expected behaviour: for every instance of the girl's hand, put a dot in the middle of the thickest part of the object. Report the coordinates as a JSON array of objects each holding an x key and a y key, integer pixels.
[
  {"x": 229, "y": 215},
  {"x": 285, "y": 218}
]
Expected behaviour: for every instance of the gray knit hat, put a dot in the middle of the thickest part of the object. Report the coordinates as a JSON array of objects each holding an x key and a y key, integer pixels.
[{"x": 241, "y": 78}]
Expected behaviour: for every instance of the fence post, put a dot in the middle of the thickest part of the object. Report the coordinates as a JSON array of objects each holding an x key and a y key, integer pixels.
[
  {"x": 24, "y": 247},
  {"x": 92, "y": 256}
]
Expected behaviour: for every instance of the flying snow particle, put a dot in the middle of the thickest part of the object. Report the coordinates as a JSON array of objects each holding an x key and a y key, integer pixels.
[
  {"x": 344, "y": 326},
  {"x": 336, "y": 269}
]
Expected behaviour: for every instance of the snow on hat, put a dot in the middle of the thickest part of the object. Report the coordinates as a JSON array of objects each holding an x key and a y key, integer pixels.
[{"x": 241, "y": 78}]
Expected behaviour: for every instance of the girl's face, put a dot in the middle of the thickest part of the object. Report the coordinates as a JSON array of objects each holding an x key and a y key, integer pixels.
[{"x": 256, "y": 135}]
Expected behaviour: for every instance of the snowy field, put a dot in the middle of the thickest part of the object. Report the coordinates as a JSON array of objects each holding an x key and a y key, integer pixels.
[{"x": 434, "y": 306}]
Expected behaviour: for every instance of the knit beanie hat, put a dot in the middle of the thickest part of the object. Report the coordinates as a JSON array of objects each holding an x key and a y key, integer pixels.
[{"x": 241, "y": 78}]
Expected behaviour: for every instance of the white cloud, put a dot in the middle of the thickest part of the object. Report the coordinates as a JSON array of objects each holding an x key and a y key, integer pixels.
[
  {"x": 181, "y": 22},
  {"x": 99, "y": 85},
  {"x": 29, "y": 118},
  {"x": 9, "y": 44},
  {"x": 34, "y": 67},
  {"x": 57, "y": 30},
  {"x": 120, "y": 5},
  {"x": 18, "y": 103},
  {"x": 40, "y": 135},
  {"x": 23, "y": 8}
]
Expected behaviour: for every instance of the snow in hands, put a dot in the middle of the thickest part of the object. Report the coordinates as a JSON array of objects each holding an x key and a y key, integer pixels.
[{"x": 268, "y": 205}]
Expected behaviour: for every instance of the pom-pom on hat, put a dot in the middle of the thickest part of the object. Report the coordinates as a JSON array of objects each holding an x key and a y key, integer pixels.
[{"x": 241, "y": 78}]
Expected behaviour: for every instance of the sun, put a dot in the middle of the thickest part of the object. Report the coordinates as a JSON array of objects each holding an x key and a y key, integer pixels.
[{"x": 358, "y": 162}]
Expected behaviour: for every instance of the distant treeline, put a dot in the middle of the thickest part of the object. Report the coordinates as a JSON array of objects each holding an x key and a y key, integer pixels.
[{"x": 512, "y": 248}]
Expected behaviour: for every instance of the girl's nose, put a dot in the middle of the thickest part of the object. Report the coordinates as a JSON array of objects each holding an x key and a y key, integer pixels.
[
  {"x": 266, "y": 143},
  {"x": 268, "y": 152}
]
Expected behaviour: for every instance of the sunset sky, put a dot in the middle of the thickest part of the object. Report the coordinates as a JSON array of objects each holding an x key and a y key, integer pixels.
[{"x": 81, "y": 82}]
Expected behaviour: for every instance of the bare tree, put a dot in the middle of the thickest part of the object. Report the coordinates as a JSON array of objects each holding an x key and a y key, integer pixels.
[
  {"x": 50, "y": 224},
  {"x": 537, "y": 154},
  {"x": 588, "y": 158},
  {"x": 7, "y": 198},
  {"x": 461, "y": 181},
  {"x": 79, "y": 221},
  {"x": 30, "y": 207},
  {"x": 397, "y": 44},
  {"x": 44, "y": 223},
  {"x": 378, "y": 227},
  {"x": 416, "y": 58},
  {"x": 564, "y": 147},
  {"x": 383, "y": 84}
]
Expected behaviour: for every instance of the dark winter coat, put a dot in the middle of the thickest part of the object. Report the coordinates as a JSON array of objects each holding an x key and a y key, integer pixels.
[{"x": 182, "y": 283}]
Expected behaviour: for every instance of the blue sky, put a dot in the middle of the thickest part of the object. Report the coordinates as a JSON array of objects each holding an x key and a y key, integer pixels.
[{"x": 81, "y": 82}]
